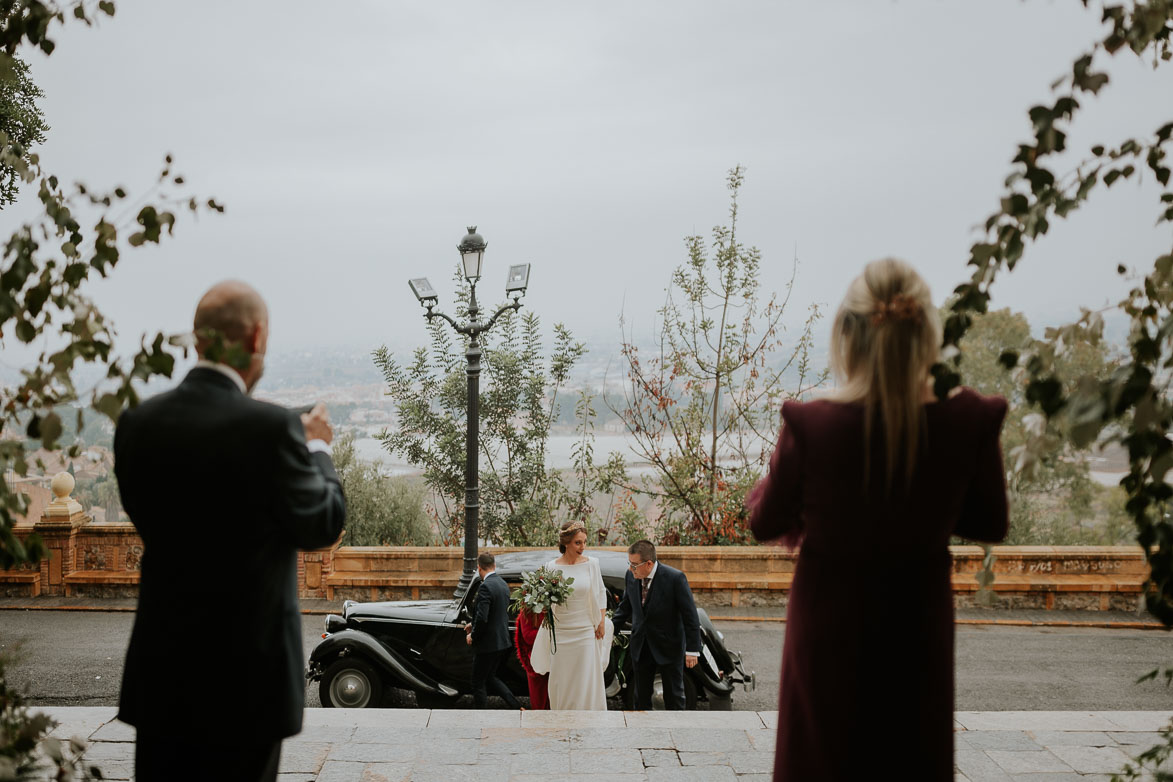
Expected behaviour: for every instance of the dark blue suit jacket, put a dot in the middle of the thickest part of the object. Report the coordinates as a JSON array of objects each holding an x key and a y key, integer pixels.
[
  {"x": 490, "y": 621},
  {"x": 223, "y": 492},
  {"x": 667, "y": 625}
]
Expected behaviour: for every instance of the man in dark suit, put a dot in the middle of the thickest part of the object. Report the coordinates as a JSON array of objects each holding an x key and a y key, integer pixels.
[
  {"x": 665, "y": 630},
  {"x": 223, "y": 490},
  {"x": 489, "y": 635}
]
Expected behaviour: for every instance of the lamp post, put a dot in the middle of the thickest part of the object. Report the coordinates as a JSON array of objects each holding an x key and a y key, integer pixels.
[{"x": 472, "y": 254}]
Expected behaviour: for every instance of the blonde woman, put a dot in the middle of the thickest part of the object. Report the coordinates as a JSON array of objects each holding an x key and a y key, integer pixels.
[
  {"x": 576, "y": 666},
  {"x": 872, "y": 482}
]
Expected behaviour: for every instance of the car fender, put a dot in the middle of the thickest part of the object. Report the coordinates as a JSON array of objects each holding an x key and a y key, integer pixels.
[
  {"x": 706, "y": 679},
  {"x": 369, "y": 648}
]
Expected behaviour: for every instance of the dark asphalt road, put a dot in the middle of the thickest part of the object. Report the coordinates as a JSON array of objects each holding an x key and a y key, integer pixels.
[{"x": 75, "y": 659}]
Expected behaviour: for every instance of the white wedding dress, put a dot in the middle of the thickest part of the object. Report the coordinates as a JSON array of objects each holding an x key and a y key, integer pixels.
[{"x": 576, "y": 666}]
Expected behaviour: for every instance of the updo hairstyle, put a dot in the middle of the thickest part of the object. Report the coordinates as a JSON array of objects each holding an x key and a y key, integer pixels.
[{"x": 568, "y": 531}]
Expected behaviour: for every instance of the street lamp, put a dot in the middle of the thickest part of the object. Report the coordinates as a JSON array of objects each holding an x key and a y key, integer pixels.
[{"x": 472, "y": 254}]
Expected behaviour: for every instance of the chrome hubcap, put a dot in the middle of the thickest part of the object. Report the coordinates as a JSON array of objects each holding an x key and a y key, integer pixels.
[{"x": 350, "y": 690}]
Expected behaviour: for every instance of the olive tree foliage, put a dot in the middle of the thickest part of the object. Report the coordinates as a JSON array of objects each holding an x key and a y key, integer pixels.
[
  {"x": 21, "y": 122},
  {"x": 380, "y": 510},
  {"x": 522, "y": 500},
  {"x": 703, "y": 409},
  {"x": 45, "y": 266}
]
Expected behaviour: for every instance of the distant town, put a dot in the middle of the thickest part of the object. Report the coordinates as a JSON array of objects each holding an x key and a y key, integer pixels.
[{"x": 347, "y": 381}]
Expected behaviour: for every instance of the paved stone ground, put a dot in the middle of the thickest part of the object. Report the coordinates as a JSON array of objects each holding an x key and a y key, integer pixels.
[{"x": 357, "y": 745}]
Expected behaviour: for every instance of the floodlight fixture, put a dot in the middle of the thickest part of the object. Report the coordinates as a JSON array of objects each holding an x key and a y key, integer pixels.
[
  {"x": 518, "y": 279},
  {"x": 472, "y": 253},
  {"x": 423, "y": 290}
]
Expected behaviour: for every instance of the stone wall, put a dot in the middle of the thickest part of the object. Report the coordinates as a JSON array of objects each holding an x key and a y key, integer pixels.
[{"x": 103, "y": 560}]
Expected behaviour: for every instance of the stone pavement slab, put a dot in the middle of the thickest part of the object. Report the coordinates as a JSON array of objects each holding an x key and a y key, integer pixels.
[{"x": 416, "y": 745}]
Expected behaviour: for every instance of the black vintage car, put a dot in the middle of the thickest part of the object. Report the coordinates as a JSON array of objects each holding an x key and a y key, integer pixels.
[{"x": 419, "y": 646}]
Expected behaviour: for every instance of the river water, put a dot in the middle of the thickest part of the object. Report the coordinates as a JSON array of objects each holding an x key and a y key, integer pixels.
[{"x": 559, "y": 448}]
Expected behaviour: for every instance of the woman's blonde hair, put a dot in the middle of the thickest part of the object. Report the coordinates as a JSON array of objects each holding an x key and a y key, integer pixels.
[{"x": 885, "y": 338}]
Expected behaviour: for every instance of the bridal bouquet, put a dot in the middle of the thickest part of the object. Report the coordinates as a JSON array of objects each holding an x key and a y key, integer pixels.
[{"x": 540, "y": 591}]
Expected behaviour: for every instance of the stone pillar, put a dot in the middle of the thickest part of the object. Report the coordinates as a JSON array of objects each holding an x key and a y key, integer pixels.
[
  {"x": 58, "y": 529},
  {"x": 314, "y": 567}
]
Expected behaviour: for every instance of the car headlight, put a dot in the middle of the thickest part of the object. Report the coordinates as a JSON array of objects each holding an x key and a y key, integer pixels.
[{"x": 335, "y": 623}]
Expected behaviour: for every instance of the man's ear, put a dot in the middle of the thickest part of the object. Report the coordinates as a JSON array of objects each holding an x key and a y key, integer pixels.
[{"x": 255, "y": 341}]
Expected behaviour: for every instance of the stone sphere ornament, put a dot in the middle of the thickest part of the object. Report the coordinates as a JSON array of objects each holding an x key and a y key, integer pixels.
[{"x": 62, "y": 485}]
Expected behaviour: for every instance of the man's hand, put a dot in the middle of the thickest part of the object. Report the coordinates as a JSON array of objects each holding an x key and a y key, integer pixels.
[
  {"x": 468, "y": 633},
  {"x": 468, "y": 639},
  {"x": 317, "y": 424},
  {"x": 690, "y": 660}
]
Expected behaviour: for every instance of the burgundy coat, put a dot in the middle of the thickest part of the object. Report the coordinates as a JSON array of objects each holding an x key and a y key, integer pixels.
[{"x": 867, "y": 665}]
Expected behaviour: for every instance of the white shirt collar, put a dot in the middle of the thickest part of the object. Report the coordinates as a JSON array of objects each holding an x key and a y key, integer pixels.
[
  {"x": 490, "y": 573},
  {"x": 655, "y": 566},
  {"x": 225, "y": 370}
]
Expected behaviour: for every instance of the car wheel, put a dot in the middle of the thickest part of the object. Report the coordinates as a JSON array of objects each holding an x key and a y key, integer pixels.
[{"x": 350, "y": 683}]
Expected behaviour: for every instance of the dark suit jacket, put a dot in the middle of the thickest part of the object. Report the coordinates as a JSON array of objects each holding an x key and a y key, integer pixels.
[
  {"x": 223, "y": 492},
  {"x": 667, "y": 624},
  {"x": 490, "y": 621}
]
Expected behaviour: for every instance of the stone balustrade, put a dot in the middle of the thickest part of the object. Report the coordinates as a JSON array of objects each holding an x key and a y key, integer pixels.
[{"x": 103, "y": 560}]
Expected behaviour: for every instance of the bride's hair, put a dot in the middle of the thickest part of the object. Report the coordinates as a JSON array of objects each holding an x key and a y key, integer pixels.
[{"x": 568, "y": 531}]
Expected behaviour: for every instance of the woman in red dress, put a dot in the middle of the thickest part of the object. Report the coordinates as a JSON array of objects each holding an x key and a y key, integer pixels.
[
  {"x": 872, "y": 482},
  {"x": 528, "y": 625}
]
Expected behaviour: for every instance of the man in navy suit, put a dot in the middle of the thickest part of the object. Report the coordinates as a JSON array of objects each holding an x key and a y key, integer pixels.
[
  {"x": 208, "y": 474},
  {"x": 665, "y": 630},
  {"x": 489, "y": 634}
]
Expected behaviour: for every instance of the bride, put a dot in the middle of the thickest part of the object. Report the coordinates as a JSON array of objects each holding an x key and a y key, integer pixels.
[{"x": 583, "y": 630}]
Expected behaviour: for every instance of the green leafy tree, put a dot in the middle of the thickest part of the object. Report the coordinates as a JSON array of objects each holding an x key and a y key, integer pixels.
[
  {"x": 22, "y": 126},
  {"x": 521, "y": 498},
  {"x": 703, "y": 411},
  {"x": 380, "y": 510},
  {"x": 1057, "y": 502}
]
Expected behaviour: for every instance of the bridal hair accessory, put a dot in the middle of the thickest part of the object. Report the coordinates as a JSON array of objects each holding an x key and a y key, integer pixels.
[
  {"x": 900, "y": 307},
  {"x": 574, "y": 525}
]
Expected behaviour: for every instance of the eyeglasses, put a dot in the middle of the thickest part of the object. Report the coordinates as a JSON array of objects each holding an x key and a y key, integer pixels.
[{"x": 634, "y": 565}]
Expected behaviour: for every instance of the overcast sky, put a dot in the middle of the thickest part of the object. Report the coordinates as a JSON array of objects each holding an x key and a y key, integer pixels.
[{"x": 352, "y": 142}]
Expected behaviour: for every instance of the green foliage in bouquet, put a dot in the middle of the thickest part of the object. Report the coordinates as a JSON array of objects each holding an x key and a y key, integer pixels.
[{"x": 540, "y": 591}]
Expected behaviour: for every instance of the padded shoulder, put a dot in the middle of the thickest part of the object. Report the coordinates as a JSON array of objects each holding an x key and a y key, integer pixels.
[{"x": 985, "y": 412}]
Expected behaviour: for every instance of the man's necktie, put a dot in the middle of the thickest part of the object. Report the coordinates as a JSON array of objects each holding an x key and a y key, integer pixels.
[{"x": 643, "y": 591}]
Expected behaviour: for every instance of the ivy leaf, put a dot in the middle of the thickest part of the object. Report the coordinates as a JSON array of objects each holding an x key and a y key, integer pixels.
[
  {"x": 110, "y": 406},
  {"x": 26, "y": 332},
  {"x": 51, "y": 430}
]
